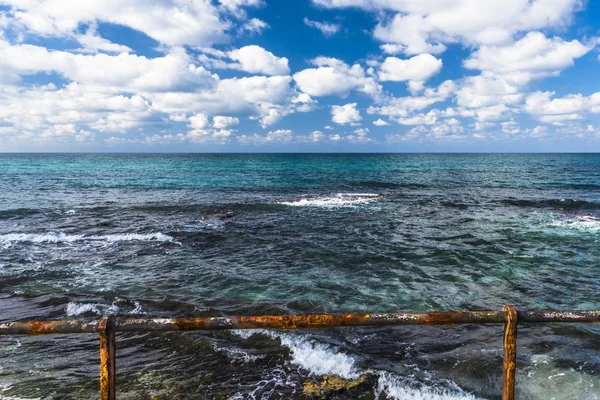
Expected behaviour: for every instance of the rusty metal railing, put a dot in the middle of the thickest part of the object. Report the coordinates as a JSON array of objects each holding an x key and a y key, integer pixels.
[{"x": 107, "y": 326}]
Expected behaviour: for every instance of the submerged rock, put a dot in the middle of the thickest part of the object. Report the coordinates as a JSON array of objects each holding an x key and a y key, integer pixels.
[
  {"x": 331, "y": 386},
  {"x": 227, "y": 214}
]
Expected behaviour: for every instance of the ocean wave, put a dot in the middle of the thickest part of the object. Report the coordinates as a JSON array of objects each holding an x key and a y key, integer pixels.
[
  {"x": 322, "y": 359},
  {"x": 335, "y": 200},
  {"x": 584, "y": 223},
  {"x": 316, "y": 358},
  {"x": 59, "y": 237},
  {"x": 74, "y": 309},
  {"x": 398, "y": 388}
]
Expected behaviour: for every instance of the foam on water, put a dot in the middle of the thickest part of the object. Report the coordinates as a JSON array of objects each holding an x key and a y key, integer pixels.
[
  {"x": 75, "y": 308},
  {"x": 336, "y": 200},
  {"x": 321, "y": 359},
  {"x": 398, "y": 388},
  {"x": 584, "y": 223},
  {"x": 317, "y": 358},
  {"x": 60, "y": 237}
]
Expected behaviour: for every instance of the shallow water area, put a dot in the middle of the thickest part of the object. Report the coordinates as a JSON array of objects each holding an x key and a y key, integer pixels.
[{"x": 87, "y": 235}]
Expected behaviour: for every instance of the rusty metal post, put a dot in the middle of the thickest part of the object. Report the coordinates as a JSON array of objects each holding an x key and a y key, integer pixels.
[
  {"x": 108, "y": 353},
  {"x": 510, "y": 353}
]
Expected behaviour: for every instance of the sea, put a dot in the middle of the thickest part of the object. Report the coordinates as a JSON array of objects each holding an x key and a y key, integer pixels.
[{"x": 148, "y": 235}]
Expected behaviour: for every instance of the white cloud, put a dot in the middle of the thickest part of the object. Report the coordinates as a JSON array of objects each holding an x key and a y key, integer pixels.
[
  {"x": 278, "y": 136},
  {"x": 444, "y": 130},
  {"x": 556, "y": 111},
  {"x": 485, "y": 90},
  {"x": 380, "y": 122},
  {"x": 92, "y": 42},
  {"x": 532, "y": 57},
  {"x": 198, "y": 121},
  {"x": 171, "y": 22},
  {"x": 417, "y": 69},
  {"x": 256, "y": 60},
  {"x": 404, "y": 106},
  {"x": 424, "y": 26},
  {"x": 124, "y": 72},
  {"x": 271, "y": 117},
  {"x": 254, "y": 26},
  {"x": 392, "y": 48},
  {"x": 236, "y": 7},
  {"x": 346, "y": 114},
  {"x": 335, "y": 77},
  {"x": 326, "y": 28},
  {"x": 224, "y": 122}
]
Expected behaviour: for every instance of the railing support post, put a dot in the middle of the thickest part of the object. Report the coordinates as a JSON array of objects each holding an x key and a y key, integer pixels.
[
  {"x": 510, "y": 353},
  {"x": 108, "y": 350}
]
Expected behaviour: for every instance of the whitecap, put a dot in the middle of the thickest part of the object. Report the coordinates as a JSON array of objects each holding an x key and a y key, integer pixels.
[
  {"x": 322, "y": 359},
  {"x": 584, "y": 223},
  {"x": 237, "y": 354},
  {"x": 75, "y": 308},
  {"x": 60, "y": 237},
  {"x": 316, "y": 358},
  {"x": 397, "y": 388},
  {"x": 335, "y": 200}
]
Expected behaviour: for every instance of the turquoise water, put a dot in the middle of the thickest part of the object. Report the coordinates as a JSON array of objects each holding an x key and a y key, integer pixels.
[{"x": 85, "y": 235}]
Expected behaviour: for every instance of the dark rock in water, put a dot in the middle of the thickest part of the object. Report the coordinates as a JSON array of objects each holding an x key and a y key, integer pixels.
[
  {"x": 334, "y": 387},
  {"x": 227, "y": 214}
]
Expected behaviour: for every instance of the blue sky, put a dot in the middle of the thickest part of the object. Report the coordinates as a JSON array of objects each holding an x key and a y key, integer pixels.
[{"x": 301, "y": 75}]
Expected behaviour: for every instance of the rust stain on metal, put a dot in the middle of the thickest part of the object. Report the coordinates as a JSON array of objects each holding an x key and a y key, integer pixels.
[
  {"x": 510, "y": 353},
  {"x": 107, "y": 326},
  {"x": 107, "y": 359},
  {"x": 47, "y": 327}
]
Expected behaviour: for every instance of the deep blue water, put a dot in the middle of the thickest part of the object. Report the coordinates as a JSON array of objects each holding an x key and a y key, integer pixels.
[{"x": 85, "y": 235}]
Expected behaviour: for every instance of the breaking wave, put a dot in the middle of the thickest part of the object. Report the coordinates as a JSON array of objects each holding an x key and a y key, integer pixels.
[
  {"x": 59, "y": 237},
  {"x": 321, "y": 359},
  {"x": 335, "y": 200},
  {"x": 75, "y": 309},
  {"x": 585, "y": 223}
]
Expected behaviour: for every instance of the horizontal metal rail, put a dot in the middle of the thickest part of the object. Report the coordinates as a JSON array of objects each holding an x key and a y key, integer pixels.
[{"x": 106, "y": 327}]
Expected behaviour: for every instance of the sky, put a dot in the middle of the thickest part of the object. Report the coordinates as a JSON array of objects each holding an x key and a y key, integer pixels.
[{"x": 299, "y": 76}]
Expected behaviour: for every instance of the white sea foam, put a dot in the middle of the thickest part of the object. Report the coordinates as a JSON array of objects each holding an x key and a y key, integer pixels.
[
  {"x": 75, "y": 308},
  {"x": 316, "y": 358},
  {"x": 237, "y": 354},
  {"x": 397, "y": 388},
  {"x": 60, "y": 237},
  {"x": 585, "y": 223},
  {"x": 335, "y": 200},
  {"x": 321, "y": 359}
]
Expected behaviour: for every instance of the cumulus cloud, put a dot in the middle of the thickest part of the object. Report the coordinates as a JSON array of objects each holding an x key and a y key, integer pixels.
[
  {"x": 556, "y": 111},
  {"x": 171, "y": 22},
  {"x": 256, "y": 60},
  {"x": 252, "y": 59},
  {"x": 425, "y": 27},
  {"x": 277, "y": 136},
  {"x": 404, "y": 106},
  {"x": 380, "y": 122},
  {"x": 172, "y": 72},
  {"x": 93, "y": 43},
  {"x": 346, "y": 114},
  {"x": 335, "y": 77},
  {"x": 417, "y": 69},
  {"x": 224, "y": 122},
  {"x": 326, "y": 28},
  {"x": 254, "y": 26},
  {"x": 532, "y": 57}
]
